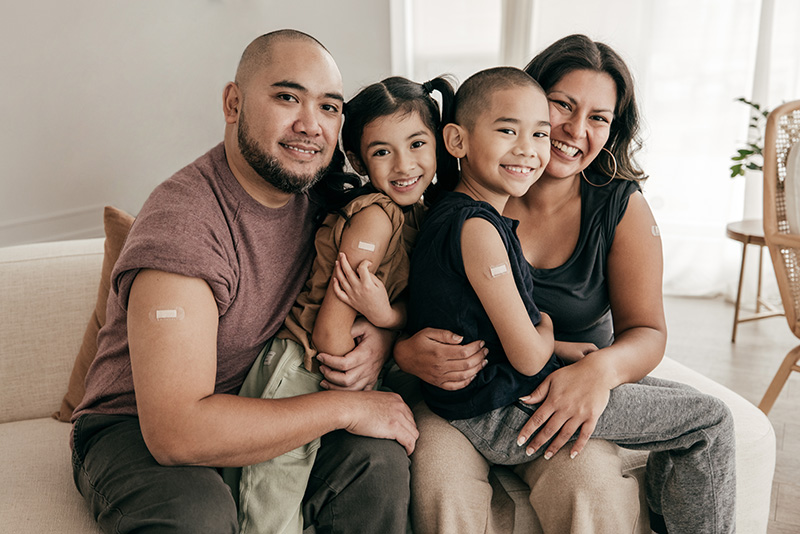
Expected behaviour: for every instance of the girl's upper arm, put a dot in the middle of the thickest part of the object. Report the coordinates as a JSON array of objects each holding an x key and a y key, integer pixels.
[
  {"x": 489, "y": 273},
  {"x": 366, "y": 237}
]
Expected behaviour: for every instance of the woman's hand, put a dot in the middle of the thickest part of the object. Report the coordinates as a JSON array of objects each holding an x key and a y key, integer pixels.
[
  {"x": 437, "y": 357},
  {"x": 572, "y": 398},
  {"x": 358, "y": 369},
  {"x": 571, "y": 352}
]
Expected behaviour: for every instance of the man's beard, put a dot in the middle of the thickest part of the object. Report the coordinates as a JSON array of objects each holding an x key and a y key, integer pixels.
[{"x": 270, "y": 169}]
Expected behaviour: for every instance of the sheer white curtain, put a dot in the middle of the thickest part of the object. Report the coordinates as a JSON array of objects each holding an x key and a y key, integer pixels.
[{"x": 691, "y": 59}]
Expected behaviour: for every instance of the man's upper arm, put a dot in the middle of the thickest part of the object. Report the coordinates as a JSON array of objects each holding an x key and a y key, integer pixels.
[{"x": 172, "y": 336}]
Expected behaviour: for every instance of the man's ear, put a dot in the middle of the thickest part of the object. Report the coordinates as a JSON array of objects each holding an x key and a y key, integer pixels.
[
  {"x": 231, "y": 102},
  {"x": 356, "y": 163},
  {"x": 455, "y": 140}
]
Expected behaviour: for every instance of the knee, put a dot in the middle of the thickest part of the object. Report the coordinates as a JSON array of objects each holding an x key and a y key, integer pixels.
[
  {"x": 204, "y": 505},
  {"x": 384, "y": 463}
]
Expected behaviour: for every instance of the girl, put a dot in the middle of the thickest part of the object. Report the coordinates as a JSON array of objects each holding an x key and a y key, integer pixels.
[{"x": 391, "y": 134}]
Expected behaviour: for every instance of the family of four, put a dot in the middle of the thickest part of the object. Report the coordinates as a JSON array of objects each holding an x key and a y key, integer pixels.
[{"x": 500, "y": 233}]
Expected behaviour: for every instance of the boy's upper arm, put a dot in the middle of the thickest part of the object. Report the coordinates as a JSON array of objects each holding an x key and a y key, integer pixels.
[{"x": 487, "y": 267}]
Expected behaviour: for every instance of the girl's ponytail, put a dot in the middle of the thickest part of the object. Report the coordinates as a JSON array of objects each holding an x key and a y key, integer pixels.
[{"x": 446, "y": 164}]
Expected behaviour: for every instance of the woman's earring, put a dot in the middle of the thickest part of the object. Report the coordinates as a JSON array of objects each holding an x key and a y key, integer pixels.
[{"x": 612, "y": 175}]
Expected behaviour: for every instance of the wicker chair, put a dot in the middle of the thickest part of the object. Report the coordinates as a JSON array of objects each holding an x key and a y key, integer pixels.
[{"x": 782, "y": 226}]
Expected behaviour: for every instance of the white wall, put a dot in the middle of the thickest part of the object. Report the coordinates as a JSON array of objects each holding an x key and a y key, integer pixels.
[{"x": 104, "y": 99}]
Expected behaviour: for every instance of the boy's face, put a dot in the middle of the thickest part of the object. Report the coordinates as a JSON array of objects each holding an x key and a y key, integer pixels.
[{"x": 508, "y": 144}]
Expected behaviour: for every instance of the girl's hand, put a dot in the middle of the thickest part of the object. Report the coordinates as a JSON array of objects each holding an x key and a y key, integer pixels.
[
  {"x": 572, "y": 399},
  {"x": 572, "y": 352},
  {"x": 365, "y": 293},
  {"x": 438, "y": 358},
  {"x": 358, "y": 369}
]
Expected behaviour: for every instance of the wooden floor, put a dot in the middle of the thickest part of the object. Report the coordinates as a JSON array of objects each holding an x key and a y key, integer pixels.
[{"x": 700, "y": 338}]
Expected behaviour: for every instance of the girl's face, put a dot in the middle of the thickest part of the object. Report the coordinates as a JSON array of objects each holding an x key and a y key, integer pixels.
[
  {"x": 582, "y": 107},
  {"x": 399, "y": 156}
]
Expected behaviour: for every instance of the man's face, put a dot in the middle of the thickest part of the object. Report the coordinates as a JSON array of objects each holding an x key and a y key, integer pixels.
[{"x": 290, "y": 116}]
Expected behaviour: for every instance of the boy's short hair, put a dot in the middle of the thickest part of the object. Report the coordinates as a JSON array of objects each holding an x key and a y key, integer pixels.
[{"x": 479, "y": 88}]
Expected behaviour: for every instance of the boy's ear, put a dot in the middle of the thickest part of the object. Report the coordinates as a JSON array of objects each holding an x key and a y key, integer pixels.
[
  {"x": 356, "y": 163},
  {"x": 455, "y": 139}
]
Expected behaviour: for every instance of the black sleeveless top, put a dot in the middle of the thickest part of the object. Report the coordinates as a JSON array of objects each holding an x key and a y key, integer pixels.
[
  {"x": 575, "y": 294},
  {"x": 442, "y": 297}
]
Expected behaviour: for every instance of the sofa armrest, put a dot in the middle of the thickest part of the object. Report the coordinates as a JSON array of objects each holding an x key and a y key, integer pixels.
[{"x": 49, "y": 293}]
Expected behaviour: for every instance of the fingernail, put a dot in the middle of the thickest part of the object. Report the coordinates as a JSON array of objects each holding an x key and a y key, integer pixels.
[
  {"x": 485, "y": 363},
  {"x": 573, "y": 454},
  {"x": 521, "y": 441},
  {"x": 548, "y": 455},
  {"x": 529, "y": 451},
  {"x": 485, "y": 352},
  {"x": 482, "y": 344}
]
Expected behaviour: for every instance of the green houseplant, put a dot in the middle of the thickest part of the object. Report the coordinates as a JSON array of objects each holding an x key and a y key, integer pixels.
[{"x": 751, "y": 156}]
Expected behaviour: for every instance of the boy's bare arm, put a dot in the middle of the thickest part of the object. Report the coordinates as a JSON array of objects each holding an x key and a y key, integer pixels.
[{"x": 489, "y": 272}]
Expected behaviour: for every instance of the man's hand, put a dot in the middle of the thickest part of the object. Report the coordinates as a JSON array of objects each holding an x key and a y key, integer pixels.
[
  {"x": 358, "y": 369},
  {"x": 381, "y": 414},
  {"x": 436, "y": 357}
]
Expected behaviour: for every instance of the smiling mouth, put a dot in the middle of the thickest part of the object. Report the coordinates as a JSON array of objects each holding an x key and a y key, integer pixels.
[
  {"x": 518, "y": 169},
  {"x": 563, "y": 148},
  {"x": 295, "y": 148},
  {"x": 405, "y": 183}
]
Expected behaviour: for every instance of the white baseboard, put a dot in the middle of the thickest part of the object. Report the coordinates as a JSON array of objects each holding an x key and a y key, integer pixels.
[{"x": 77, "y": 223}]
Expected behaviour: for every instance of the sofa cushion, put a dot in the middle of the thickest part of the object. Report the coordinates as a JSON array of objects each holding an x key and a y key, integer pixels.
[
  {"x": 48, "y": 293},
  {"x": 37, "y": 493},
  {"x": 117, "y": 223}
]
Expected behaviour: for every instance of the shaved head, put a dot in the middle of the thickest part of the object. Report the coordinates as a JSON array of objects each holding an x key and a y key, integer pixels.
[
  {"x": 259, "y": 53},
  {"x": 478, "y": 89}
]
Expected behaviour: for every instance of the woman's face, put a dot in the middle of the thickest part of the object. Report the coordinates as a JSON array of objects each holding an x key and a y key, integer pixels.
[{"x": 582, "y": 107}]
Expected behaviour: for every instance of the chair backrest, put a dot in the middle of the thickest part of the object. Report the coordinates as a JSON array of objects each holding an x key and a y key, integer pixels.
[{"x": 782, "y": 204}]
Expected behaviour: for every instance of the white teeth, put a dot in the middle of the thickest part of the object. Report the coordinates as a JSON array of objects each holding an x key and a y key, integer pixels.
[
  {"x": 296, "y": 149},
  {"x": 566, "y": 149},
  {"x": 405, "y": 183},
  {"x": 521, "y": 170}
]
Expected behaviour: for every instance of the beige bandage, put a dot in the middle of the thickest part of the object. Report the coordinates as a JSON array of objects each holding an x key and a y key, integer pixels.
[
  {"x": 167, "y": 314},
  {"x": 498, "y": 270},
  {"x": 656, "y": 231},
  {"x": 369, "y": 247}
]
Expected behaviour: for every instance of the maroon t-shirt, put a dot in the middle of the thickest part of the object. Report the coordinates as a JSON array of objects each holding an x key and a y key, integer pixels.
[{"x": 201, "y": 223}]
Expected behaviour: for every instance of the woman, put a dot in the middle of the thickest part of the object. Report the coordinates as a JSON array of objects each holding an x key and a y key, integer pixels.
[{"x": 595, "y": 256}]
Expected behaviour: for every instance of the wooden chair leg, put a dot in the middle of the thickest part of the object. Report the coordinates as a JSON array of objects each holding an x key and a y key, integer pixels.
[{"x": 789, "y": 364}]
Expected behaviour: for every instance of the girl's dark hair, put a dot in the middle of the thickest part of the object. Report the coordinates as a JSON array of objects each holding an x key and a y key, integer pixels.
[
  {"x": 578, "y": 52},
  {"x": 397, "y": 94}
]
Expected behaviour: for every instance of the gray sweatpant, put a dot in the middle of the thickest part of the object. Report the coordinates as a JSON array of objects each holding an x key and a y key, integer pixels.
[{"x": 690, "y": 475}]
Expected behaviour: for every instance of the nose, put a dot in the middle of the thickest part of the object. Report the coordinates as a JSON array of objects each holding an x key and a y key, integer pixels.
[
  {"x": 575, "y": 127},
  {"x": 403, "y": 162},
  {"x": 307, "y": 122},
  {"x": 526, "y": 146}
]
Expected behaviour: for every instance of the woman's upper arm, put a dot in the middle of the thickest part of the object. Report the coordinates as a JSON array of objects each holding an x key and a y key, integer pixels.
[
  {"x": 366, "y": 237},
  {"x": 635, "y": 271}
]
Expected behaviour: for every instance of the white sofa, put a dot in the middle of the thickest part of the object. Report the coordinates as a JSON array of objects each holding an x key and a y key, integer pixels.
[{"x": 48, "y": 292}]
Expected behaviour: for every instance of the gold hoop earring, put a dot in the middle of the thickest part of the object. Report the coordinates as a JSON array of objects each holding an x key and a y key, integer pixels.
[{"x": 612, "y": 175}]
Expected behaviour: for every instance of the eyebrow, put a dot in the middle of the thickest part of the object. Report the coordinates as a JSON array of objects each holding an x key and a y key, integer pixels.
[
  {"x": 288, "y": 84},
  {"x": 573, "y": 101},
  {"x": 412, "y": 136},
  {"x": 517, "y": 121}
]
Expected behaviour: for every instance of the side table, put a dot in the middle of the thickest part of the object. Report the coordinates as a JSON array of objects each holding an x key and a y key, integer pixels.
[{"x": 750, "y": 232}]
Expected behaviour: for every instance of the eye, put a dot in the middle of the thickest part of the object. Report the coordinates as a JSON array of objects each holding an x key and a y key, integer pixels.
[
  {"x": 330, "y": 108},
  {"x": 542, "y": 134},
  {"x": 287, "y": 97},
  {"x": 508, "y": 131},
  {"x": 417, "y": 144},
  {"x": 380, "y": 152},
  {"x": 601, "y": 118},
  {"x": 561, "y": 104}
]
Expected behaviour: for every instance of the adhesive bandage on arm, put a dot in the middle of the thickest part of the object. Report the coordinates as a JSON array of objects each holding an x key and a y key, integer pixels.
[
  {"x": 655, "y": 230},
  {"x": 364, "y": 245},
  {"x": 174, "y": 313},
  {"x": 498, "y": 270}
]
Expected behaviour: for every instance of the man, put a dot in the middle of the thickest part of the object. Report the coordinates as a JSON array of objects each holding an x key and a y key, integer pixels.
[{"x": 210, "y": 269}]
